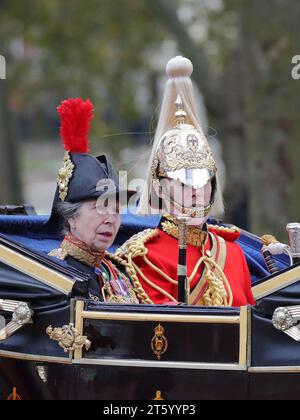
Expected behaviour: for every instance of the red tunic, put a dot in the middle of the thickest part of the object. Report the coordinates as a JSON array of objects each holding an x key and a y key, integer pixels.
[{"x": 163, "y": 253}]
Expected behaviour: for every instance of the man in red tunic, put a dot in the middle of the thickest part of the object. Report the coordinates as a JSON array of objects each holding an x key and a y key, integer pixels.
[{"x": 183, "y": 185}]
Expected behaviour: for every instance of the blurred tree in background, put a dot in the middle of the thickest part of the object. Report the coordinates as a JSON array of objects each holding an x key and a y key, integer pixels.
[
  {"x": 115, "y": 51},
  {"x": 270, "y": 34}
]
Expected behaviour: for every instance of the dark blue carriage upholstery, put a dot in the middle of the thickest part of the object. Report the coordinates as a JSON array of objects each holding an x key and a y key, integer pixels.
[{"x": 29, "y": 231}]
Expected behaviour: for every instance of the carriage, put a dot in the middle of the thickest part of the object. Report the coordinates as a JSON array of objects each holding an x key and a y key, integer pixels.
[{"x": 56, "y": 344}]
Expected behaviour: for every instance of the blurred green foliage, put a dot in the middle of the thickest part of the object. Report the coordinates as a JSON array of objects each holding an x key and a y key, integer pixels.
[
  {"x": 114, "y": 51},
  {"x": 73, "y": 48}
]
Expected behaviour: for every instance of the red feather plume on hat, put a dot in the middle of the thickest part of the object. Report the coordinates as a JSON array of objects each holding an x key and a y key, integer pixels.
[{"x": 75, "y": 116}]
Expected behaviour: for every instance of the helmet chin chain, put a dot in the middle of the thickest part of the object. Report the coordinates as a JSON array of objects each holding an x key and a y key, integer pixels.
[{"x": 192, "y": 212}]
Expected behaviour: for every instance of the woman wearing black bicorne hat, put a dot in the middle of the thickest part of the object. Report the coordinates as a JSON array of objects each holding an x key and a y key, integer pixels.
[{"x": 86, "y": 207}]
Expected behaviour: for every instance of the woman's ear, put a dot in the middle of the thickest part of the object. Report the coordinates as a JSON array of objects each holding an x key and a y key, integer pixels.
[{"x": 72, "y": 223}]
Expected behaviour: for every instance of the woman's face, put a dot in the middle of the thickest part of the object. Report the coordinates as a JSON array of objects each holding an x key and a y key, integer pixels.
[{"x": 96, "y": 227}]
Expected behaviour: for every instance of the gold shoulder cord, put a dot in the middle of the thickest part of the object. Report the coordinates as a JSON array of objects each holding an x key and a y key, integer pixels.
[{"x": 134, "y": 248}]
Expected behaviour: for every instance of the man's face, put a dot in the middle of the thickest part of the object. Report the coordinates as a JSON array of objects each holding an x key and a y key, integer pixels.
[{"x": 187, "y": 197}]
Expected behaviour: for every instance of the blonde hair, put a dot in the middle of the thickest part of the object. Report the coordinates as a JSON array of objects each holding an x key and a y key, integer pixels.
[{"x": 179, "y": 71}]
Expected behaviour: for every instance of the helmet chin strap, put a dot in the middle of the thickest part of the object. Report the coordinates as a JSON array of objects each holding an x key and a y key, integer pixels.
[
  {"x": 192, "y": 212},
  {"x": 178, "y": 209},
  {"x": 197, "y": 221}
]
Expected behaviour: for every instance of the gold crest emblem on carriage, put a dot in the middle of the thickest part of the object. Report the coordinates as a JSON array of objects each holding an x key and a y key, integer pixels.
[{"x": 159, "y": 343}]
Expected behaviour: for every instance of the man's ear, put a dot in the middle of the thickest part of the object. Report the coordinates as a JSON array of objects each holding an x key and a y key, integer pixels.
[{"x": 157, "y": 188}]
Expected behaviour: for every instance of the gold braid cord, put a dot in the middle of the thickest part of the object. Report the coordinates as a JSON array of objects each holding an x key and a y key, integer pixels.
[
  {"x": 133, "y": 248},
  {"x": 218, "y": 291}
]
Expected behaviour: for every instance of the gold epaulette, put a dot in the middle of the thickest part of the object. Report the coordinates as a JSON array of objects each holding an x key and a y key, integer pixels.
[
  {"x": 230, "y": 234},
  {"x": 58, "y": 253},
  {"x": 231, "y": 229},
  {"x": 135, "y": 246}
]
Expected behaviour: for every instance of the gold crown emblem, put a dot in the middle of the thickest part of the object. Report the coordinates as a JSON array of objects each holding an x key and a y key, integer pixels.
[{"x": 159, "y": 331}]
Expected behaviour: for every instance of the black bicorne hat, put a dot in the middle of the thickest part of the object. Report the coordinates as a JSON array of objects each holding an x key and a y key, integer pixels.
[{"x": 82, "y": 176}]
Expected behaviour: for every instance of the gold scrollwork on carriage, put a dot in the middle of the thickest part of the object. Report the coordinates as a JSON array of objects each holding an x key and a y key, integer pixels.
[
  {"x": 68, "y": 338},
  {"x": 21, "y": 315},
  {"x": 14, "y": 396},
  {"x": 158, "y": 396}
]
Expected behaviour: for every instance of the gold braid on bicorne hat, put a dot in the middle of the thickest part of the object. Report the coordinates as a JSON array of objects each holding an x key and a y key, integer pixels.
[{"x": 218, "y": 291}]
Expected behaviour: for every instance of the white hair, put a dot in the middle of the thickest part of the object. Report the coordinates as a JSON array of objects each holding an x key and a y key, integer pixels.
[
  {"x": 179, "y": 71},
  {"x": 66, "y": 211}
]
